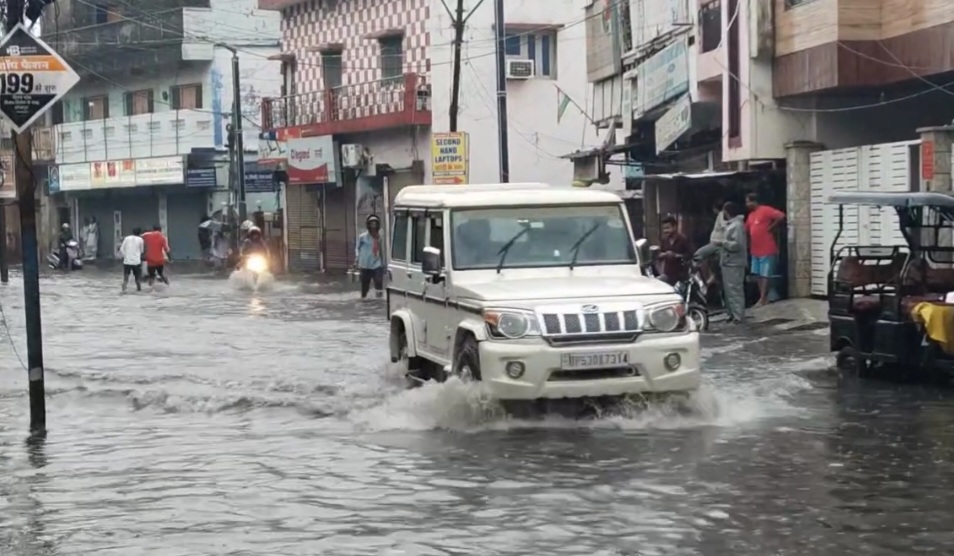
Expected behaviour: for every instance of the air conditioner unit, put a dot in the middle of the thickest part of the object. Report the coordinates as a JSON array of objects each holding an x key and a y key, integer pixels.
[
  {"x": 352, "y": 155},
  {"x": 520, "y": 69}
]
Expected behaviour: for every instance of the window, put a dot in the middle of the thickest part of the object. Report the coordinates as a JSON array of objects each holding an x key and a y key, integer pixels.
[
  {"x": 735, "y": 93},
  {"x": 539, "y": 47},
  {"x": 399, "y": 237},
  {"x": 789, "y": 4},
  {"x": 418, "y": 237},
  {"x": 96, "y": 108},
  {"x": 710, "y": 20},
  {"x": 436, "y": 226},
  {"x": 99, "y": 14},
  {"x": 392, "y": 57},
  {"x": 187, "y": 97},
  {"x": 542, "y": 237},
  {"x": 139, "y": 102},
  {"x": 57, "y": 115},
  {"x": 331, "y": 64}
]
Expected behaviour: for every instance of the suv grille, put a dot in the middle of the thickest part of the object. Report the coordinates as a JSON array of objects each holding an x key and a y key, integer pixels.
[{"x": 561, "y": 324}]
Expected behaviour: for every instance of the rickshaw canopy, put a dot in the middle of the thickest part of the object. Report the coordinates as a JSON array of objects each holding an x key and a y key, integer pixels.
[{"x": 897, "y": 200}]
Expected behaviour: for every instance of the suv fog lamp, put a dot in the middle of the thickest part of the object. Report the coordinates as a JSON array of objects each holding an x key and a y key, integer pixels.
[
  {"x": 672, "y": 361},
  {"x": 515, "y": 369}
]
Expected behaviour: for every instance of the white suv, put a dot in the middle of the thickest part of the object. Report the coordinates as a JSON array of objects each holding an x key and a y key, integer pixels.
[{"x": 537, "y": 291}]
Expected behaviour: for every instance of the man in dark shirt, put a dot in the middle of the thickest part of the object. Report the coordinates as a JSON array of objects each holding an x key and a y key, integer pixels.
[{"x": 674, "y": 250}]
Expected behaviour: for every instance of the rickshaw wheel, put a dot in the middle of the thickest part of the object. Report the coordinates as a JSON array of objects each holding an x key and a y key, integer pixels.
[{"x": 848, "y": 360}]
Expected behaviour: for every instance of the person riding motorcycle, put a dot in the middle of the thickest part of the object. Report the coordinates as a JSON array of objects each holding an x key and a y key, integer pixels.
[
  {"x": 254, "y": 244},
  {"x": 66, "y": 235}
]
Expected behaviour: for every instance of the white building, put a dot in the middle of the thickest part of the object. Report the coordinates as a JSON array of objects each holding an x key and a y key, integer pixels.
[
  {"x": 142, "y": 139},
  {"x": 546, "y": 111}
]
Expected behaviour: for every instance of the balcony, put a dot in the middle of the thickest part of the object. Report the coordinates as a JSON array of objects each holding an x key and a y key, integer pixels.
[
  {"x": 134, "y": 44},
  {"x": 168, "y": 133},
  {"x": 383, "y": 104}
]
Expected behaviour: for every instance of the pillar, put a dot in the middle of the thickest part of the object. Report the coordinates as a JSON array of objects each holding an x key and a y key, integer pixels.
[
  {"x": 936, "y": 158},
  {"x": 798, "y": 184}
]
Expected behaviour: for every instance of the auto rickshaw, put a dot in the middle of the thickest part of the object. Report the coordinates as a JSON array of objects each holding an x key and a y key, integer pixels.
[{"x": 891, "y": 307}]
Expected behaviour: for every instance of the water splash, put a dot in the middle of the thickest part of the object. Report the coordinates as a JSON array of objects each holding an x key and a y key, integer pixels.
[{"x": 247, "y": 281}]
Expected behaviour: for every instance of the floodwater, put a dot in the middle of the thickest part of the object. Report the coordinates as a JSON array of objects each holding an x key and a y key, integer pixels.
[{"x": 207, "y": 420}]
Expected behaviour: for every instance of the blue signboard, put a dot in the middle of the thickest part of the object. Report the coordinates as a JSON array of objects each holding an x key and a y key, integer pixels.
[
  {"x": 200, "y": 177},
  {"x": 259, "y": 181}
]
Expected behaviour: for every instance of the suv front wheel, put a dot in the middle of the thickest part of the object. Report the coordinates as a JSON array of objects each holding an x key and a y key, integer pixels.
[{"x": 467, "y": 361}]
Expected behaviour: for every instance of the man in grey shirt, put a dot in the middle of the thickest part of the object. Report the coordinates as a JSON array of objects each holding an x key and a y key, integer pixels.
[{"x": 733, "y": 259}]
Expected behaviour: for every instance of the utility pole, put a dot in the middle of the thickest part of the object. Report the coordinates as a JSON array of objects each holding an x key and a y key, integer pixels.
[
  {"x": 26, "y": 197},
  {"x": 459, "y": 22},
  {"x": 502, "y": 132},
  {"x": 237, "y": 130}
]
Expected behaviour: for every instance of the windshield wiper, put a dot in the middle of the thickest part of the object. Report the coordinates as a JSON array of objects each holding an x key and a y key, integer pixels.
[
  {"x": 579, "y": 243},
  {"x": 506, "y": 247}
]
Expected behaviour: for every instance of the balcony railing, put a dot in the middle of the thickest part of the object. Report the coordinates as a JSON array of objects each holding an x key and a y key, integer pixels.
[
  {"x": 353, "y": 108},
  {"x": 167, "y": 133}
]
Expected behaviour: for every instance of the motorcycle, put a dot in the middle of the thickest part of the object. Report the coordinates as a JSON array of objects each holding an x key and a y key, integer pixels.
[
  {"x": 695, "y": 293},
  {"x": 72, "y": 255}
]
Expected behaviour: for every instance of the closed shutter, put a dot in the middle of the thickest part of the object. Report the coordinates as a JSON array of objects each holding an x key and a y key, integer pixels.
[
  {"x": 301, "y": 217},
  {"x": 884, "y": 167},
  {"x": 338, "y": 229}
]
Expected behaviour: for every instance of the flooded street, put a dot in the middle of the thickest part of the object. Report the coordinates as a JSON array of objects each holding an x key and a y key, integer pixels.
[{"x": 204, "y": 420}]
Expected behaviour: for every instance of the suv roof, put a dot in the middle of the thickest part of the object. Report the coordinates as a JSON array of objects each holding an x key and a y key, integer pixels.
[{"x": 500, "y": 194}]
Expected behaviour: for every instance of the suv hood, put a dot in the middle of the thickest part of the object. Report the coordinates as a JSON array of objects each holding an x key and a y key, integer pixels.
[{"x": 565, "y": 288}]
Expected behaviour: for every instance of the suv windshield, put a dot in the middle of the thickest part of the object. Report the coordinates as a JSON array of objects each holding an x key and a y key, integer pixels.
[{"x": 545, "y": 237}]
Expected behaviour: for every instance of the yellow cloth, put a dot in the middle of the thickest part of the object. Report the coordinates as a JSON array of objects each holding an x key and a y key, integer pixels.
[{"x": 938, "y": 321}]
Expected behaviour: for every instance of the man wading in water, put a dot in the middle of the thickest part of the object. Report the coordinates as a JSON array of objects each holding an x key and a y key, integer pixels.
[
  {"x": 131, "y": 251},
  {"x": 367, "y": 253}
]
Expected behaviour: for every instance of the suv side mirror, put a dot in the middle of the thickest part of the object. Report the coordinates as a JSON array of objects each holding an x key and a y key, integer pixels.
[
  {"x": 644, "y": 252},
  {"x": 431, "y": 263}
]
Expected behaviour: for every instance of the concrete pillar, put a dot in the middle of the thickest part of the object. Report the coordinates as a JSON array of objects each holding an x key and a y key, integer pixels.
[
  {"x": 936, "y": 158},
  {"x": 798, "y": 173}
]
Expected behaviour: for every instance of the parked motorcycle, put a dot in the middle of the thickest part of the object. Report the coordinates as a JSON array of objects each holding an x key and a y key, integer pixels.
[
  {"x": 695, "y": 293},
  {"x": 72, "y": 254}
]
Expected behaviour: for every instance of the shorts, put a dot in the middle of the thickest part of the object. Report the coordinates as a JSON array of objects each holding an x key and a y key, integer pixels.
[
  {"x": 134, "y": 269},
  {"x": 764, "y": 267},
  {"x": 154, "y": 270}
]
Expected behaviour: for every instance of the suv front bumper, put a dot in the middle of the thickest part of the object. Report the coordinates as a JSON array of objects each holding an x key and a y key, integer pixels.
[{"x": 544, "y": 376}]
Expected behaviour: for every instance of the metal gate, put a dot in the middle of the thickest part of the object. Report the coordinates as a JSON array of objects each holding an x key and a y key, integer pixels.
[
  {"x": 886, "y": 167},
  {"x": 301, "y": 216}
]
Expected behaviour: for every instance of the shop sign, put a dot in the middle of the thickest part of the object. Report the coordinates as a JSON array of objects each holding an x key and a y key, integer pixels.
[
  {"x": 74, "y": 177},
  {"x": 200, "y": 177},
  {"x": 159, "y": 171},
  {"x": 311, "y": 160},
  {"x": 107, "y": 174},
  {"x": 663, "y": 77},
  {"x": 450, "y": 158},
  {"x": 259, "y": 181},
  {"x": 673, "y": 124}
]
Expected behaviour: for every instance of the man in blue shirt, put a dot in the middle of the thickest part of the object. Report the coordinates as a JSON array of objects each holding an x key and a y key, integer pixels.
[{"x": 369, "y": 258}]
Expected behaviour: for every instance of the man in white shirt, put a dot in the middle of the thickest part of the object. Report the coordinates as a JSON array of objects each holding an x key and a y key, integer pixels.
[{"x": 132, "y": 251}]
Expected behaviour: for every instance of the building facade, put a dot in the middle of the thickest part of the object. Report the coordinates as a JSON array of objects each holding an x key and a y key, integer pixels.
[
  {"x": 354, "y": 113},
  {"x": 547, "y": 118},
  {"x": 143, "y": 139}
]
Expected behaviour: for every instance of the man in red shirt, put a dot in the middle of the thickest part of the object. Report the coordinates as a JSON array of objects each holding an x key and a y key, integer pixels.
[
  {"x": 761, "y": 224},
  {"x": 157, "y": 252}
]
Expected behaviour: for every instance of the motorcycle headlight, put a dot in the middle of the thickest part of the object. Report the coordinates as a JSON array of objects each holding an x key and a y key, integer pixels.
[
  {"x": 256, "y": 263},
  {"x": 511, "y": 324},
  {"x": 667, "y": 318}
]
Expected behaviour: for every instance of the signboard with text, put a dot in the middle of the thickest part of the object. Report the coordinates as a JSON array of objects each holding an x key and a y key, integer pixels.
[
  {"x": 83, "y": 176},
  {"x": 311, "y": 160},
  {"x": 662, "y": 77},
  {"x": 450, "y": 158},
  {"x": 673, "y": 124},
  {"x": 32, "y": 77}
]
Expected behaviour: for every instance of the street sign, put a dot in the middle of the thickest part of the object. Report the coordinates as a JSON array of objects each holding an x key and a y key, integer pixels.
[
  {"x": 32, "y": 77},
  {"x": 450, "y": 158},
  {"x": 673, "y": 124}
]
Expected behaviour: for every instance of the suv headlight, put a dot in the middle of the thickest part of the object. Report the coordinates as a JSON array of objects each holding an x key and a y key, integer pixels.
[
  {"x": 667, "y": 318},
  {"x": 511, "y": 323}
]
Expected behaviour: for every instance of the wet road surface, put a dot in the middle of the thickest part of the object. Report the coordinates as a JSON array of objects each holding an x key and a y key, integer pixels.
[{"x": 203, "y": 420}]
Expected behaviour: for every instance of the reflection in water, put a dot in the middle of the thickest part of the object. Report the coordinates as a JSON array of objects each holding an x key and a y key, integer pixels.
[{"x": 179, "y": 428}]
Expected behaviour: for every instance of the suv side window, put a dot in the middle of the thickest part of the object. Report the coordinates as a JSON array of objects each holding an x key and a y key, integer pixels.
[
  {"x": 436, "y": 234},
  {"x": 399, "y": 237},
  {"x": 418, "y": 237}
]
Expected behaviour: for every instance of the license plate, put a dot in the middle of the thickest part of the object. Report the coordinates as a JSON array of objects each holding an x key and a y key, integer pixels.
[{"x": 576, "y": 361}]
